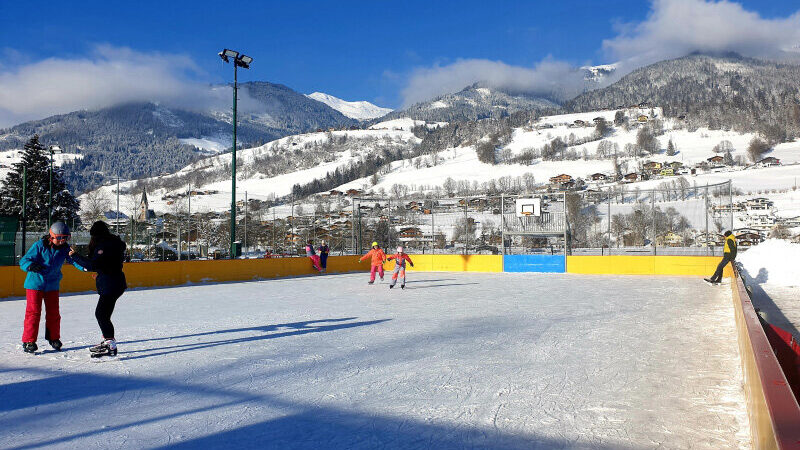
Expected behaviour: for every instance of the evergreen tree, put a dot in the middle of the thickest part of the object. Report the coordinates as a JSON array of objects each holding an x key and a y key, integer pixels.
[
  {"x": 671, "y": 150},
  {"x": 37, "y": 163}
]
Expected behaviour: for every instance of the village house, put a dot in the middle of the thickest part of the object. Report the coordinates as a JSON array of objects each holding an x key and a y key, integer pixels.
[
  {"x": 642, "y": 118},
  {"x": 599, "y": 177},
  {"x": 631, "y": 177},
  {"x": 769, "y": 162},
  {"x": 652, "y": 166},
  {"x": 667, "y": 172},
  {"x": 714, "y": 160},
  {"x": 560, "y": 179},
  {"x": 670, "y": 239}
]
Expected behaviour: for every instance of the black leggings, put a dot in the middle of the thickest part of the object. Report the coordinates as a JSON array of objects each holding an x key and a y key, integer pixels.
[
  {"x": 717, "y": 277},
  {"x": 105, "y": 307}
]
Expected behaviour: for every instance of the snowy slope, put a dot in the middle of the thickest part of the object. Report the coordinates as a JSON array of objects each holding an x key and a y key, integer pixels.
[
  {"x": 362, "y": 110},
  {"x": 10, "y": 157}
]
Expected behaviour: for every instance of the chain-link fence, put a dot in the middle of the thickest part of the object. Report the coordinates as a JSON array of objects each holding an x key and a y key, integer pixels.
[{"x": 672, "y": 219}]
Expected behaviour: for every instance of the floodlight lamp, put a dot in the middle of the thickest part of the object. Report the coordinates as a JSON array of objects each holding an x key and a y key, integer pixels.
[
  {"x": 55, "y": 149},
  {"x": 231, "y": 53},
  {"x": 246, "y": 59},
  {"x": 224, "y": 58}
]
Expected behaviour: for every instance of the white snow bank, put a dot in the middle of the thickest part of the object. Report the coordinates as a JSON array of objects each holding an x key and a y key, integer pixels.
[{"x": 779, "y": 260}]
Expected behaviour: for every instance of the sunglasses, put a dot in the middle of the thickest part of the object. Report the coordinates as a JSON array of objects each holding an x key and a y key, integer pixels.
[{"x": 59, "y": 237}]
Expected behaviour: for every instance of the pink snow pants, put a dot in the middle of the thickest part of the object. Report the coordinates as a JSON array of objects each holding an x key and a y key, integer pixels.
[
  {"x": 315, "y": 262},
  {"x": 374, "y": 269}
]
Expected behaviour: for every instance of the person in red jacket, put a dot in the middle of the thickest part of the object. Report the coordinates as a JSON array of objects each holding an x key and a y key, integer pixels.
[
  {"x": 313, "y": 256},
  {"x": 400, "y": 259},
  {"x": 378, "y": 257}
]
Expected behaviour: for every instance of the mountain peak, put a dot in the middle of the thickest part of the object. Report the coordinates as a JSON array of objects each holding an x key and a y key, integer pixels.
[{"x": 360, "y": 110}]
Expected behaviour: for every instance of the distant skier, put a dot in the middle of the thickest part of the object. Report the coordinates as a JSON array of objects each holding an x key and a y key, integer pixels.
[
  {"x": 400, "y": 259},
  {"x": 43, "y": 263},
  {"x": 323, "y": 255},
  {"x": 728, "y": 255},
  {"x": 106, "y": 255},
  {"x": 378, "y": 257},
  {"x": 313, "y": 256}
]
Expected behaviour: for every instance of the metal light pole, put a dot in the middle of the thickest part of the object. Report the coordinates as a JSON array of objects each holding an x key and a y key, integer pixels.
[
  {"x": 24, "y": 203},
  {"x": 53, "y": 149},
  {"x": 239, "y": 60}
]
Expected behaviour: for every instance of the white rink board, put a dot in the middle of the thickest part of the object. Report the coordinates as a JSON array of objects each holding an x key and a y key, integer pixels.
[{"x": 457, "y": 360}]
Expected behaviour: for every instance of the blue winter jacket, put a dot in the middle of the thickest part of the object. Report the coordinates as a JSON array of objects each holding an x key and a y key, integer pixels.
[{"x": 52, "y": 258}]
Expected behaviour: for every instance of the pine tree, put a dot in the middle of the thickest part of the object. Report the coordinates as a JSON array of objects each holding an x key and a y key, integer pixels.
[
  {"x": 671, "y": 150},
  {"x": 37, "y": 163}
]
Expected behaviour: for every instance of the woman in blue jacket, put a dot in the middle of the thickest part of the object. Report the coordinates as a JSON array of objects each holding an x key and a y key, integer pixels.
[
  {"x": 43, "y": 263},
  {"x": 106, "y": 254}
]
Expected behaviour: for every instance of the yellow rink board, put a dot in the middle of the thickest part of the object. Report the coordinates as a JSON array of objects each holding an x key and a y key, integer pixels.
[
  {"x": 645, "y": 265},
  {"x": 173, "y": 273}
]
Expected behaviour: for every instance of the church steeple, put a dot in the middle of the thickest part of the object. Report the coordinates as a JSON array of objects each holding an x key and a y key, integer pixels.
[{"x": 144, "y": 207}]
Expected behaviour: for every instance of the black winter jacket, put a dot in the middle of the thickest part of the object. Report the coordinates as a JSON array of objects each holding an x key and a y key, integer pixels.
[{"x": 106, "y": 259}]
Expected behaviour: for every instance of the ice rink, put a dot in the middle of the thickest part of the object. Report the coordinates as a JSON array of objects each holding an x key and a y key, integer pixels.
[{"x": 457, "y": 360}]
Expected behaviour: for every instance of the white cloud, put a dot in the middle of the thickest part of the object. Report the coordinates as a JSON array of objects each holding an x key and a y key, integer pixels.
[
  {"x": 673, "y": 28},
  {"x": 109, "y": 76},
  {"x": 549, "y": 78}
]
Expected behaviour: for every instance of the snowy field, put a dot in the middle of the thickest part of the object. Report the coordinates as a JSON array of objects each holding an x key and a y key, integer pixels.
[{"x": 457, "y": 360}]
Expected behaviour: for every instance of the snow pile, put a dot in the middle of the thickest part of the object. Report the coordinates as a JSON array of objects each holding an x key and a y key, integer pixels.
[{"x": 774, "y": 261}]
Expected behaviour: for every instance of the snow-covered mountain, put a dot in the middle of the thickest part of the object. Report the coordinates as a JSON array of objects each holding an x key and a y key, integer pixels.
[
  {"x": 362, "y": 110},
  {"x": 598, "y": 73},
  {"x": 473, "y": 103}
]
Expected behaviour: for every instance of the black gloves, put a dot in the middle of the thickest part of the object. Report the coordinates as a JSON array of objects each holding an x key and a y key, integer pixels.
[{"x": 36, "y": 267}]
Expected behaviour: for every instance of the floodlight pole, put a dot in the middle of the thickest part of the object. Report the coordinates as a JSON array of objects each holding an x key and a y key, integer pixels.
[
  {"x": 24, "y": 203},
  {"x": 233, "y": 165}
]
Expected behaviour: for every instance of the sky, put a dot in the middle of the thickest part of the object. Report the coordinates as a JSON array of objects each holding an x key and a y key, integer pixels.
[{"x": 56, "y": 57}]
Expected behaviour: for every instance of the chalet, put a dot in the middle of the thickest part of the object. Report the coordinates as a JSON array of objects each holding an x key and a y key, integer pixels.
[
  {"x": 599, "y": 177},
  {"x": 670, "y": 240},
  {"x": 652, "y": 166},
  {"x": 336, "y": 193},
  {"x": 579, "y": 123},
  {"x": 631, "y": 177},
  {"x": 758, "y": 204},
  {"x": 769, "y": 162},
  {"x": 761, "y": 223},
  {"x": 642, "y": 118},
  {"x": 408, "y": 233},
  {"x": 644, "y": 104},
  {"x": 354, "y": 127},
  {"x": 716, "y": 159},
  {"x": 598, "y": 119},
  {"x": 748, "y": 238},
  {"x": 676, "y": 166},
  {"x": 561, "y": 179},
  {"x": 667, "y": 172},
  {"x": 413, "y": 206},
  {"x": 353, "y": 192}
]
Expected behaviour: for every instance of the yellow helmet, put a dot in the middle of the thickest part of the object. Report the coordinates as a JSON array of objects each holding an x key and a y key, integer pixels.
[{"x": 374, "y": 244}]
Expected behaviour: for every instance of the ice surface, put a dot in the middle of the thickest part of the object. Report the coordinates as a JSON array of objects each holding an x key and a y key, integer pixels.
[{"x": 457, "y": 360}]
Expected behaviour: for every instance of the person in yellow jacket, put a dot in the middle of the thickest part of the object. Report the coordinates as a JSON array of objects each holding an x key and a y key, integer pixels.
[{"x": 728, "y": 255}]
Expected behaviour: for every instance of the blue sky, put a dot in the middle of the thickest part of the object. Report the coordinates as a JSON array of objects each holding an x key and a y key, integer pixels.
[{"x": 372, "y": 50}]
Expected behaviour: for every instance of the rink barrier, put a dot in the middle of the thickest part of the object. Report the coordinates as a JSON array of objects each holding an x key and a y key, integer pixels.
[
  {"x": 645, "y": 265},
  {"x": 773, "y": 411},
  {"x": 174, "y": 273}
]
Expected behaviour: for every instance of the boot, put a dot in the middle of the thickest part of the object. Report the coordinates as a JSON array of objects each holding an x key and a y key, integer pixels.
[
  {"x": 29, "y": 347},
  {"x": 56, "y": 344}
]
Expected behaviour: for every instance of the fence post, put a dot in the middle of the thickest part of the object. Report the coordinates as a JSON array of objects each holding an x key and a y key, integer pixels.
[
  {"x": 608, "y": 198},
  {"x": 433, "y": 229},
  {"x": 466, "y": 226},
  {"x": 653, "y": 211},
  {"x": 503, "y": 221},
  {"x": 730, "y": 201},
  {"x": 706, "y": 209}
]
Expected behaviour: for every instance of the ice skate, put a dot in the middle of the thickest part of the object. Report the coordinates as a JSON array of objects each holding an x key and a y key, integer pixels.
[
  {"x": 370, "y": 282},
  {"x": 106, "y": 348},
  {"x": 56, "y": 344},
  {"x": 29, "y": 347},
  {"x": 402, "y": 286},
  {"x": 391, "y": 286},
  {"x": 711, "y": 282}
]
